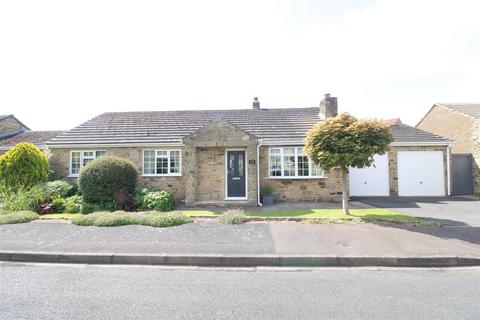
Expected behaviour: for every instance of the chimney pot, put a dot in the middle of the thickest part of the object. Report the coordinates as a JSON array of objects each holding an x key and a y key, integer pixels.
[
  {"x": 256, "y": 103},
  {"x": 328, "y": 107}
]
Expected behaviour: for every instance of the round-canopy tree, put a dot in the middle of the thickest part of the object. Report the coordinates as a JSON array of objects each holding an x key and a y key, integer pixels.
[
  {"x": 345, "y": 141},
  {"x": 23, "y": 166}
]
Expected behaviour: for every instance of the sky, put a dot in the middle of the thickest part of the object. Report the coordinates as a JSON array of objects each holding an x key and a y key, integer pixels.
[{"x": 64, "y": 62}]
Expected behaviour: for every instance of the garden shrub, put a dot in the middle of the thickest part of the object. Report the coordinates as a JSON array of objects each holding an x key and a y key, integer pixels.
[
  {"x": 102, "y": 178},
  {"x": 73, "y": 204},
  {"x": 23, "y": 166},
  {"x": 60, "y": 188},
  {"x": 233, "y": 217},
  {"x": 158, "y": 200},
  {"x": 86, "y": 207},
  {"x": 44, "y": 208},
  {"x": 58, "y": 204},
  {"x": 120, "y": 218},
  {"x": 17, "y": 217},
  {"x": 22, "y": 198},
  {"x": 125, "y": 201},
  {"x": 162, "y": 219}
]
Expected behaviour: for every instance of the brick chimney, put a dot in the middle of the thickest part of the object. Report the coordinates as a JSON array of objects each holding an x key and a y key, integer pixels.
[
  {"x": 256, "y": 103},
  {"x": 328, "y": 107}
]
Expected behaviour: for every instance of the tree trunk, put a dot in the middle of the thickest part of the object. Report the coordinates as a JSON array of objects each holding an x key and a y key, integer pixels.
[{"x": 345, "y": 191}]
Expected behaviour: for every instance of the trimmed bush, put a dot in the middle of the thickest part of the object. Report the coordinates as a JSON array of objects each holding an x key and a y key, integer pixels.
[
  {"x": 120, "y": 218},
  {"x": 17, "y": 217},
  {"x": 104, "y": 177},
  {"x": 23, "y": 166},
  {"x": 60, "y": 188},
  {"x": 233, "y": 217},
  {"x": 22, "y": 198},
  {"x": 158, "y": 200}
]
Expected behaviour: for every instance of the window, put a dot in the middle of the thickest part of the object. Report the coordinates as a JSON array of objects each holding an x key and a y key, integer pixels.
[
  {"x": 161, "y": 162},
  {"x": 291, "y": 162},
  {"x": 79, "y": 159}
]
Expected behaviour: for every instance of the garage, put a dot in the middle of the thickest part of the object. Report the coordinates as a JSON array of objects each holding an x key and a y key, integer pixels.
[
  {"x": 371, "y": 181},
  {"x": 421, "y": 173}
]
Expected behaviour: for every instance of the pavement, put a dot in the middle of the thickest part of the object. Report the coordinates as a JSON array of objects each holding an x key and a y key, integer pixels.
[
  {"x": 208, "y": 242},
  {"x": 456, "y": 211},
  {"x": 57, "y": 291}
]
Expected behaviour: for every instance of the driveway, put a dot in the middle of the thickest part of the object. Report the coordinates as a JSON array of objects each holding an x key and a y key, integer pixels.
[{"x": 457, "y": 211}]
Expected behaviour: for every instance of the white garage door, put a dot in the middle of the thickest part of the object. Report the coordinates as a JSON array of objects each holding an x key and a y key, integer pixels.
[
  {"x": 420, "y": 173},
  {"x": 371, "y": 181}
]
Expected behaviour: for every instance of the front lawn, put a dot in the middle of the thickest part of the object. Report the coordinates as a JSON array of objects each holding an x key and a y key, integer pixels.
[
  {"x": 200, "y": 213},
  {"x": 61, "y": 216},
  {"x": 360, "y": 215}
]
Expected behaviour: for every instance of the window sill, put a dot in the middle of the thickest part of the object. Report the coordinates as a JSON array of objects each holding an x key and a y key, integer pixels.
[
  {"x": 73, "y": 176},
  {"x": 296, "y": 178},
  {"x": 162, "y": 175}
]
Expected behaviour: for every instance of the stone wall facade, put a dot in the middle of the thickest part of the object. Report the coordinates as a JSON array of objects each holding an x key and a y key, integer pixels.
[
  {"x": 205, "y": 164},
  {"x": 60, "y": 162},
  {"x": 302, "y": 189},
  {"x": 462, "y": 129},
  {"x": 393, "y": 164}
]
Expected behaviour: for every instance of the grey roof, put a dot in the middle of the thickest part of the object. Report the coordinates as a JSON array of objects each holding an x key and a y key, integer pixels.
[
  {"x": 170, "y": 127},
  {"x": 470, "y": 109},
  {"x": 38, "y": 138},
  {"x": 404, "y": 133}
]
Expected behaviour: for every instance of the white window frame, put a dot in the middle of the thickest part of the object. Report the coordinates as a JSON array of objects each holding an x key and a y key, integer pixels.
[
  {"x": 282, "y": 166},
  {"x": 70, "y": 174},
  {"x": 168, "y": 157}
]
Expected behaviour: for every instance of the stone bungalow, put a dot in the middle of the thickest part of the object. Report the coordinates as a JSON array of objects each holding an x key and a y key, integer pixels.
[{"x": 219, "y": 157}]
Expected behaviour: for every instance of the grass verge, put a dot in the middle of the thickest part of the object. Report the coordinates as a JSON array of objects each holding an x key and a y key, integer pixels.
[
  {"x": 61, "y": 216},
  {"x": 121, "y": 218},
  {"x": 17, "y": 217},
  {"x": 337, "y": 215}
]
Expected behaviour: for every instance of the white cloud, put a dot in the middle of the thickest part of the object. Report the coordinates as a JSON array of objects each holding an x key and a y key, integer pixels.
[{"x": 64, "y": 62}]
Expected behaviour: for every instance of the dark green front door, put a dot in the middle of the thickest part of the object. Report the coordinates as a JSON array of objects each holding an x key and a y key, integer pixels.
[{"x": 236, "y": 187}]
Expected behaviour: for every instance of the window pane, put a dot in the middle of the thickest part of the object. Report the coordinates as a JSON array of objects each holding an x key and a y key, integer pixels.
[
  {"x": 162, "y": 153},
  {"x": 88, "y": 154},
  {"x": 316, "y": 170},
  {"x": 174, "y": 161},
  {"x": 240, "y": 165},
  {"x": 149, "y": 162},
  {"x": 289, "y": 151},
  {"x": 75, "y": 165},
  {"x": 275, "y": 166},
  {"x": 275, "y": 151},
  {"x": 289, "y": 166},
  {"x": 302, "y": 166},
  {"x": 99, "y": 154},
  {"x": 162, "y": 165}
]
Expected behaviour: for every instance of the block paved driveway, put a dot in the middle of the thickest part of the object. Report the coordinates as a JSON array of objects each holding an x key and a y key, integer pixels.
[{"x": 455, "y": 211}]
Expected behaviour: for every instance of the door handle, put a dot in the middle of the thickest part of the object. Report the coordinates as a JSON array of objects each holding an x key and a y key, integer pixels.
[{"x": 236, "y": 178}]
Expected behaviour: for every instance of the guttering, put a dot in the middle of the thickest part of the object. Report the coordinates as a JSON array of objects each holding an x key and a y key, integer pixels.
[
  {"x": 112, "y": 145},
  {"x": 413, "y": 144},
  {"x": 258, "y": 173},
  {"x": 283, "y": 143}
]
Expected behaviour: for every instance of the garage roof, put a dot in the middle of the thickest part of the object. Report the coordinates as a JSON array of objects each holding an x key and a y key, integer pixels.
[{"x": 407, "y": 134}]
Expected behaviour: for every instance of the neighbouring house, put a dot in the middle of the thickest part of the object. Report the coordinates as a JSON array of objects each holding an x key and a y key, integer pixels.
[
  {"x": 219, "y": 157},
  {"x": 12, "y": 132},
  {"x": 10, "y": 126},
  {"x": 460, "y": 123}
]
